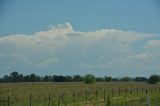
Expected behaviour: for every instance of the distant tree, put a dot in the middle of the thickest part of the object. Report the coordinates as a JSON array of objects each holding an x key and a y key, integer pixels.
[
  {"x": 89, "y": 79},
  {"x": 126, "y": 79},
  {"x": 58, "y": 78},
  {"x": 100, "y": 79},
  {"x": 108, "y": 78},
  {"x": 48, "y": 78},
  {"x": 116, "y": 79},
  {"x": 26, "y": 78},
  {"x": 1, "y": 80},
  {"x": 39, "y": 79},
  {"x": 153, "y": 79},
  {"x": 32, "y": 78},
  {"x": 68, "y": 79},
  {"x": 77, "y": 78},
  {"x": 14, "y": 76},
  {"x": 20, "y": 78},
  {"x": 6, "y": 78},
  {"x": 140, "y": 79}
]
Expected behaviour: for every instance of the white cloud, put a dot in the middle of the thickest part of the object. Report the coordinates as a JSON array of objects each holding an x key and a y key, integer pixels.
[
  {"x": 106, "y": 49},
  {"x": 102, "y": 66},
  {"x": 51, "y": 62},
  {"x": 153, "y": 44}
]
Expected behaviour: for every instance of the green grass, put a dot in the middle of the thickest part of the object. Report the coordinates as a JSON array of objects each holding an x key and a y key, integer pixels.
[{"x": 62, "y": 94}]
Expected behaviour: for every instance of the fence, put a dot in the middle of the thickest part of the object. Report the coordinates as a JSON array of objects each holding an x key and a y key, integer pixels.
[{"x": 92, "y": 97}]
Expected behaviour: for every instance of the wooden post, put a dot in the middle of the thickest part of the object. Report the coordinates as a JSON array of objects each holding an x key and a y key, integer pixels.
[
  {"x": 137, "y": 90},
  {"x": 62, "y": 97},
  {"x": 119, "y": 91},
  {"x": 112, "y": 92},
  {"x": 8, "y": 100},
  {"x": 59, "y": 100},
  {"x": 30, "y": 100},
  {"x": 126, "y": 103},
  {"x": 142, "y": 90},
  {"x": 104, "y": 96},
  {"x": 96, "y": 94},
  {"x": 73, "y": 96},
  {"x": 108, "y": 101},
  {"x": 155, "y": 89},
  {"x": 126, "y": 91},
  {"x": 147, "y": 98},
  {"x": 86, "y": 95},
  {"x": 96, "y": 98},
  {"x": 49, "y": 99},
  {"x": 131, "y": 91}
]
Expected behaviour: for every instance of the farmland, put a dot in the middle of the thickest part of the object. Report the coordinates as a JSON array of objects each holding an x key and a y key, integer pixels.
[{"x": 79, "y": 94}]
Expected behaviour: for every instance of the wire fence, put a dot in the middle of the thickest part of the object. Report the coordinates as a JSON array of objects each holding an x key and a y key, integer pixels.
[{"x": 89, "y": 97}]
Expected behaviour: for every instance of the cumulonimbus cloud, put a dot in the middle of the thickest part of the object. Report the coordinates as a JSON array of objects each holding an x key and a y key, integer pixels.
[{"x": 62, "y": 48}]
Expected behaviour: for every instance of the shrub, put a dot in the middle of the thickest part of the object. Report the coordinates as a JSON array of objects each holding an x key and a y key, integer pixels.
[
  {"x": 153, "y": 79},
  {"x": 89, "y": 79}
]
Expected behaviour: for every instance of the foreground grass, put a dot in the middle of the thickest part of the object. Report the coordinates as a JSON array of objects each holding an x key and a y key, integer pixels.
[{"x": 78, "y": 94}]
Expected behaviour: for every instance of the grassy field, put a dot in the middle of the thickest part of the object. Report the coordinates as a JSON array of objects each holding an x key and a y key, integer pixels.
[{"x": 78, "y": 94}]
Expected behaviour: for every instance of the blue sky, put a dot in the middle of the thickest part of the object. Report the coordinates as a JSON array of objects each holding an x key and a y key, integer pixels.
[
  {"x": 103, "y": 37},
  {"x": 28, "y": 16}
]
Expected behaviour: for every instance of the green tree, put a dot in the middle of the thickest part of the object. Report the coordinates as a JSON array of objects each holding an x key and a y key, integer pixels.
[
  {"x": 14, "y": 76},
  {"x": 32, "y": 77},
  {"x": 7, "y": 78},
  {"x": 108, "y": 79},
  {"x": 89, "y": 79},
  {"x": 77, "y": 78},
  {"x": 20, "y": 78},
  {"x": 153, "y": 79},
  {"x": 126, "y": 79}
]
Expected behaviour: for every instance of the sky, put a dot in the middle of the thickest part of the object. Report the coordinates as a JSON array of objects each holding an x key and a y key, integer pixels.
[{"x": 102, "y": 37}]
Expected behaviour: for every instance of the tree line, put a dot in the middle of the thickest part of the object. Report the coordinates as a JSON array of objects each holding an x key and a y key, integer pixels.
[{"x": 16, "y": 77}]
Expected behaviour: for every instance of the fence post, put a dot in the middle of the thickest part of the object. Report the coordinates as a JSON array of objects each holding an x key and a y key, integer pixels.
[
  {"x": 49, "y": 99},
  {"x": 126, "y": 91},
  {"x": 104, "y": 96},
  {"x": 147, "y": 98},
  {"x": 96, "y": 94},
  {"x": 142, "y": 90},
  {"x": 86, "y": 96},
  {"x": 112, "y": 92},
  {"x": 96, "y": 98},
  {"x": 126, "y": 103},
  {"x": 59, "y": 100},
  {"x": 30, "y": 100},
  {"x": 137, "y": 90},
  {"x": 73, "y": 96},
  {"x": 119, "y": 91},
  {"x": 62, "y": 97},
  {"x": 8, "y": 100},
  {"x": 155, "y": 89},
  {"x": 131, "y": 91}
]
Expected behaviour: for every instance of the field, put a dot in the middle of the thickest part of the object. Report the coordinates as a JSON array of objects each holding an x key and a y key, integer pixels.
[{"x": 79, "y": 94}]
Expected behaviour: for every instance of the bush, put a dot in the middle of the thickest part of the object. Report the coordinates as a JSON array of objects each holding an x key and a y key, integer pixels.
[
  {"x": 126, "y": 79},
  {"x": 89, "y": 79},
  {"x": 153, "y": 79},
  {"x": 108, "y": 79}
]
